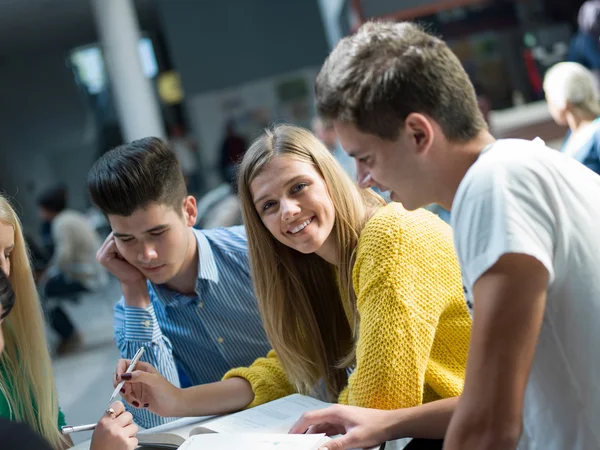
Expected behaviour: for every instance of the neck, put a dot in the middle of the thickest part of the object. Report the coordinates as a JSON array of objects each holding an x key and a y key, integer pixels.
[
  {"x": 185, "y": 280},
  {"x": 457, "y": 160},
  {"x": 576, "y": 121},
  {"x": 328, "y": 250}
]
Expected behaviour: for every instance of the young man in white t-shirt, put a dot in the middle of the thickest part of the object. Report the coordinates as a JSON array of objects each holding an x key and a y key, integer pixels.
[{"x": 527, "y": 232}]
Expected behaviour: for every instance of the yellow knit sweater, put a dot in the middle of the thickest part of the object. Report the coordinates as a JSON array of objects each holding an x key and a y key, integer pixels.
[{"x": 414, "y": 324}]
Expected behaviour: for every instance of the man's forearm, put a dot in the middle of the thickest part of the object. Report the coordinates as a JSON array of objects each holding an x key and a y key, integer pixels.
[
  {"x": 476, "y": 430},
  {"x": 428, "y": 421}
]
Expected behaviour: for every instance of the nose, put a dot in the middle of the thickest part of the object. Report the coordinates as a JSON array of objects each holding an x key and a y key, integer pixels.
[
  {"x": 147, "y": 254},
  {"x": 289, "y": 209},
  {"x": 5, "y": 265},
  {"x": 364, "y": 178}
]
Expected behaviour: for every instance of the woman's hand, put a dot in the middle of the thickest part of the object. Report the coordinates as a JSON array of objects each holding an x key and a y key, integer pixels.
[
  {"x": 115, "y": 433},
  {"x": 146, "y": 388},
  {"x": 361, "y": 427}
]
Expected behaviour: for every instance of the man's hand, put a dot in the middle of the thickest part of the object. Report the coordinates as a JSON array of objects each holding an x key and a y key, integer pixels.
[
  {"x": 509, "y": 303},
  {"x": 108, "y": 255},
  {"x": 361, "y": 427},
  {"x": 133, "y": 282}
]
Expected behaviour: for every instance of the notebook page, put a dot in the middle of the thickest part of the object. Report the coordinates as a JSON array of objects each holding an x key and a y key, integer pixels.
[
  {"x": 273, "y": 417},
  {"x": 255, "y": 441}
]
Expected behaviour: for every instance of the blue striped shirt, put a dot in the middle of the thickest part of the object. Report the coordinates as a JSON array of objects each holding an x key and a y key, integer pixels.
[{"x": 203, "y": 336}]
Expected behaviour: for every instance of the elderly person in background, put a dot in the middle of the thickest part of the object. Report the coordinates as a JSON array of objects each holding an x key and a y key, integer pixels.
[{"x": 573, "y": 100}]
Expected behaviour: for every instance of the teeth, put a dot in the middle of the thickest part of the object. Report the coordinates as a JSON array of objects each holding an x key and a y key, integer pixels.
[{"x": 300, "y": 227}]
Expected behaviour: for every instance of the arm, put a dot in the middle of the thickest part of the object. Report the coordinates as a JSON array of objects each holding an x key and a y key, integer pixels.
[
  {"x": 243, "y": 387},
  {"x": 400, "y": 306},
  {"x": 135, "y": 327},
  {"x": 508, "y": 311},
  {"x": 267, "y": 379}
]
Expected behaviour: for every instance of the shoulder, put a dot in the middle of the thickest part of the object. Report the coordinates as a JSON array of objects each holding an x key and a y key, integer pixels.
[
  {"x": 393, "y": 227},
  {"x": 231, "y": 239},
  {"x": 521, "y": 167}
]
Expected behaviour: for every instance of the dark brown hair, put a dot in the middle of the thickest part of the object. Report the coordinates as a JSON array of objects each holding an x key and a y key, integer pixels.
[
  {"x": 134, "y": 175},
  {"x": 375, "y": 78}
]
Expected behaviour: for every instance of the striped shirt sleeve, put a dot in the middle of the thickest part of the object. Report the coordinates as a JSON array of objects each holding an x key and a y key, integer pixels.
[{"x": 136, "y": 327}]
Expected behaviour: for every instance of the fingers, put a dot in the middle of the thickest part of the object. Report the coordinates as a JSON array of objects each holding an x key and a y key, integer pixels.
[
  {"x": 118, "y": 408},
  {"x": 107, "y": 249},
  {"x": 326, "y": 428},
  {"x": 131, "y": 430},
  {"x": 122, "y": 366},
  {"x": 341, "y": 443},
  {"x": 124, "y": 419},
  {"x": 329, "y": 415}
]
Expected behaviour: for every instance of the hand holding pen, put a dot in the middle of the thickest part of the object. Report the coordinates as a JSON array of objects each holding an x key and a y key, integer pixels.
[
  {"x": 115, "y": 411},
  {"x": 146, "y": 388}
]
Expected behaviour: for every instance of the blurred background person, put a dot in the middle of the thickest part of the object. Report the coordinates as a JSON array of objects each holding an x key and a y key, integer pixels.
[
  {"x": 73, "y": 269},
  {"x": 232, "y": 149},
  {"x": 573, "y": 100},
  {"x": 585, "y": 45},
  {"x": 327, "y": 135},
  {"x": 187, "y": 154}
]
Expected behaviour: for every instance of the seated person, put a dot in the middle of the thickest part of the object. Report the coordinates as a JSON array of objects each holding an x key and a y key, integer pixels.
[
  {"x": 187, "y": 293},
  {"x": 345, "y": 285},
  {"x": 111, "y": 433},
  {"x": 73, "y": 268},
  {"x": 573, "y": 100}
]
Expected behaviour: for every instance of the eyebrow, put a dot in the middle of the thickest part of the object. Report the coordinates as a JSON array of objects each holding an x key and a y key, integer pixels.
[
  {"x": 151, "y": 230},
  {"x": 291, "y": 181},
  {"x": 353, "y": 153}
]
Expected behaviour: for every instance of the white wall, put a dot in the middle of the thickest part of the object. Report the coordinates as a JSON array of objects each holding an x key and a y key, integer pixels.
[{"x": 48, "y": 133}]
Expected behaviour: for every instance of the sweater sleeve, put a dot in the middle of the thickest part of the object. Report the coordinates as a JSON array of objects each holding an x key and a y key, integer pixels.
[
  {"x": 267, "y": 377},
  {"x": 401, "y": 294}
]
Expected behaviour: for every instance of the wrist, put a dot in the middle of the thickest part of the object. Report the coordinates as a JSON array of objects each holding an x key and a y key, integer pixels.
[
  {"x": 179, "y": 399},
  {"x": 394, "y": 424},
  {"x": 136, "y": 294}
]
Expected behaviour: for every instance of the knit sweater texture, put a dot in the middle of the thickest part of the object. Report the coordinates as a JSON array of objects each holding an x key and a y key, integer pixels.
[{"x": 414, "y": 324}]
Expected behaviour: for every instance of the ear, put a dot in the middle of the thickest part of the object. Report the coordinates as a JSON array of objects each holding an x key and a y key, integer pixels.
[
  {"x": 420, "y": 131},
  {"x": 190, "y": 211}
]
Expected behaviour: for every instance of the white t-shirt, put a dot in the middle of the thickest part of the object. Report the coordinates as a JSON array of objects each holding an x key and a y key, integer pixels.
[{"x": 522, "y": 197}]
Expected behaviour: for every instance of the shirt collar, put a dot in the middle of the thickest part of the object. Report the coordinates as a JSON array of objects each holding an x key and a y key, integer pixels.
[
  {"x": 207, "y": 270},
  {"x": 207, "y": 267}
]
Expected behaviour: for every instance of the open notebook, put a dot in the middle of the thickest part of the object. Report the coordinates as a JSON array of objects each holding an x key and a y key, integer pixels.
[
  {"x": 260, "y": 428},
  {"x": 255, "y": 441}
]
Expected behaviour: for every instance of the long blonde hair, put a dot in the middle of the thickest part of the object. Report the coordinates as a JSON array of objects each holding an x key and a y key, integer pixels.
[
  {"x": 25, "y": 360},
  {"x": 309, "y": 313}
]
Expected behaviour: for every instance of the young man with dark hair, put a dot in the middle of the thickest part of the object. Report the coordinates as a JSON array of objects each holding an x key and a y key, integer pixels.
[
  {"x": 72, "y": 269},
  {"x": 187, "y": 293},
  {"x": 525, "y": 221}
]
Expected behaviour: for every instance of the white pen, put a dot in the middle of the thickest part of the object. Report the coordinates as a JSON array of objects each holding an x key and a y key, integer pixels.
[
  {"x": 134, "y": 361},
  {"x": 68, "y": 429}
]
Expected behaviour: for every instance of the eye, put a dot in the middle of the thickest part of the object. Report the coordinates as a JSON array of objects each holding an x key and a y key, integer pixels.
[
  {"x": 267, "y": 205},
  {"x": 299, "y": 187},
  {"x": 157, "y": 233},
  {"x": 366, "y": 160},
  {"x": 126, "y": 239}
]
